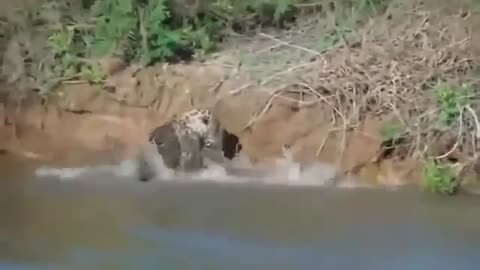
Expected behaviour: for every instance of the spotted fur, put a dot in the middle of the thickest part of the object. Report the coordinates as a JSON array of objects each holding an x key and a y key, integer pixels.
[
  {"x": 181, "y": 141},
  {"x": 202, "y": 123}
]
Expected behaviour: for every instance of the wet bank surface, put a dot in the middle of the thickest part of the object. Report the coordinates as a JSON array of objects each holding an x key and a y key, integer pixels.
[{"x": 106, "y": 221}]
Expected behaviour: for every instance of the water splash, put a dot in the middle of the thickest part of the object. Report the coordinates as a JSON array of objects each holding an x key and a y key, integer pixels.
[
  {"x": 125, "y": 168},
  {"x": 284, "y": 171}
]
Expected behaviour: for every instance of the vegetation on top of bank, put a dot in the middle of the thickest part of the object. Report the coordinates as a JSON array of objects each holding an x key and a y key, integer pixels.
[{"x": 59, "y": 41}]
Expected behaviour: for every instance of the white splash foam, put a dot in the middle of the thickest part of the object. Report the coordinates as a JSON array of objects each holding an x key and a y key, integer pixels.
[
  {"x": 285, "y": 171},
  {"x": 155, "y": 162},
  {"x": 126, "y": 168},
  {"x": 63, "y": 173}
]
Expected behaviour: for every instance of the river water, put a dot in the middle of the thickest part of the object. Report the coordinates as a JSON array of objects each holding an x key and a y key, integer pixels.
[{"x": 109, "y": 221}]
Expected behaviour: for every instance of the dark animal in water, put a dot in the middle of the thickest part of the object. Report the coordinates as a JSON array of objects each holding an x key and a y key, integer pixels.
[{"x": 181, "y": 142}]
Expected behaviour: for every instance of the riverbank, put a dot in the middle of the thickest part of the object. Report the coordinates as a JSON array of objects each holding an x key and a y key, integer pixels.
[{"x": 377, "y": 102}]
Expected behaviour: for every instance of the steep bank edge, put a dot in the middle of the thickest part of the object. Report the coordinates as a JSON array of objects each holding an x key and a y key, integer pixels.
[{"x": 84, "y": 125}]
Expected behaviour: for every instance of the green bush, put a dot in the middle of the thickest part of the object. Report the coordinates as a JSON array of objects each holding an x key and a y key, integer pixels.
[
  {"x": 392, "y": 132},
  {"x": 114, "y": 21},
  {"x": 148, "y": 31},
  {"x": 134, "y": 30},
  {"x": 145, "y": 30},
  {"x": 439, "y": 178},
  {"x": 451, "y": 100}
]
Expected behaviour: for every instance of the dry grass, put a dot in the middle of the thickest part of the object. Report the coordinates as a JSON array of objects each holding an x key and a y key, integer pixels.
[{"x": 388, "y": 68}]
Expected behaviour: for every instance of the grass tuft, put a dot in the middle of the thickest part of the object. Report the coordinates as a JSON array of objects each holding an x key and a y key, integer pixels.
[{"x": 439, "y": 178}]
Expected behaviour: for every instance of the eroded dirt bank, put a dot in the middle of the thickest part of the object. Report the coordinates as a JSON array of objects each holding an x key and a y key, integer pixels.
[
  {"x": 398, "y": 92},
  {"x": 83, "y": 125}
]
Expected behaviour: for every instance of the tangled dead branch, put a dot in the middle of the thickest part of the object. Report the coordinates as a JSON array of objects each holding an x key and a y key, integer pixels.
[{"x": 393, "y": 70}]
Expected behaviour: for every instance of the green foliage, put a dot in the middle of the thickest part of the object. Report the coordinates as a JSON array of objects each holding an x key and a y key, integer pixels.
[
  {"x": 451, "y": 100},
  {"x": 281, "y": 8},
  {"x": 142, "y": 31},
  {"x": 158, "y": 41},
  {"x": 392, "y": 132},
  {"x": 67, "y": 64},
  {"x": 148, "y": 31},
  {"x": 201, "y": 40},
  {"x": 114, "y": 21},
  {"x": 92, "y": 72},
  {"x": 132, "y": 29},
  {"x": 61, "y": 41},
  {"x": 275, "y": 7},
  {"x": 439, "y": 178}
]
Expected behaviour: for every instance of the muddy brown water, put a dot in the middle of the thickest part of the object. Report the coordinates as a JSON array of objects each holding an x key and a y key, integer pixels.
[{"x": 106, "y": 221}]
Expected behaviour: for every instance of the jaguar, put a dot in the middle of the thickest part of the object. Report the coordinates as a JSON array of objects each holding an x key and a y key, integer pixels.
[{"x": 182, "y": 142}]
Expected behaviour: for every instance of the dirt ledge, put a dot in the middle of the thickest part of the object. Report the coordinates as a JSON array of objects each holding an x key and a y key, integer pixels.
[{"x": 81, "y": 124}]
